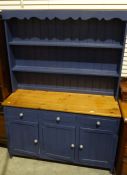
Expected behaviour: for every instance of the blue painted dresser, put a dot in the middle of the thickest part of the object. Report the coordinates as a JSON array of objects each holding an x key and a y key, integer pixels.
[
  {"x": 69, "y": 51},
  {"x": 63, "y": 127}
]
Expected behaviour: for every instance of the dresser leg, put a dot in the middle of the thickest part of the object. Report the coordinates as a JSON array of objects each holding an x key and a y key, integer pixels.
[
  {"x": 112, "y": 171},
  {"x": 10, "y": 155}
]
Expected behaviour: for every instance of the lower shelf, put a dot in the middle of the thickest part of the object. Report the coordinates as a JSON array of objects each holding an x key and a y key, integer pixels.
[
  {"x": 71, "y": 83},
  {"x": 66, "y": 89}
]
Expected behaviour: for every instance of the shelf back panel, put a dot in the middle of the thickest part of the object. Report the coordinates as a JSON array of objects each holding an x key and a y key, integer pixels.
[
  {"x": 65, "y": 57},
  {"x": 66, "y": 50},
  {"x": 111, "y": 31},
  {"x": 88, "y": 84}
]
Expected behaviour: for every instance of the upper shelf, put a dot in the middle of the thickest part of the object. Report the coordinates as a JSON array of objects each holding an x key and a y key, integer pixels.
[
  {"x": 64, "y": 43},
  {"x": 64, "y": 14}
]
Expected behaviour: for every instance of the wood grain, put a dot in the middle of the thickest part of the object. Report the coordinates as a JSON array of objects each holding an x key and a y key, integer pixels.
[
  {"x": 66, "y": 102},
  {"x": 124, "y": 167},
  {"x": 125, "y": 151},
  {"x": 123, "y": 107}
]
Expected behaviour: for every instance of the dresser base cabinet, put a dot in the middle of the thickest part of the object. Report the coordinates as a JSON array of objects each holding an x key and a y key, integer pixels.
[{"x": 61, "y": 136}]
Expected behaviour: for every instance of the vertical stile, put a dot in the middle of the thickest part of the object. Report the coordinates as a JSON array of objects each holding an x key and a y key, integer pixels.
[{"x": 122, "y": 58}]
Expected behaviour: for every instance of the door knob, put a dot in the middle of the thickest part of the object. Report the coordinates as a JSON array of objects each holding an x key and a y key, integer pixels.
[
  {"x": 72, "y": 145},
  {"x": 81, "y": 147},
  {"x": 35, "y": 141},
  {"x": 98, "y": 123},
  {"x": 21, "y": 115},
  {"x": 58, "y": 119}
]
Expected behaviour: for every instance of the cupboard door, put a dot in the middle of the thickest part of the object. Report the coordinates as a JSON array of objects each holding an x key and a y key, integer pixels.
[
  {"x": 57, "y": 141},
  {"x": 23, "y": 137},
  {"x": 97, "y": 148}
]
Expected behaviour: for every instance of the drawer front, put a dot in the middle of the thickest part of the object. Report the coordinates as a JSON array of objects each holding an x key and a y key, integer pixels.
[
  {"x": 101, "y": 123},
  {"x": 57, "y": 117},
  {"x": 20, "y": 114}
]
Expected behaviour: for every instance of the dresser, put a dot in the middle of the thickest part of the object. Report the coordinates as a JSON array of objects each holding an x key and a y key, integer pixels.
[
  {"x": 65, "y": 68},
  {"x": 121, "y": 166}
]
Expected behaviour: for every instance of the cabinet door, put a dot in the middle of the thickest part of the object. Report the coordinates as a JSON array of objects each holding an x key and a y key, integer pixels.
[
  {"x": 97, "y": 148},
  {"x": 23, "y": 137},
  {"x": 57, "y": 141}
]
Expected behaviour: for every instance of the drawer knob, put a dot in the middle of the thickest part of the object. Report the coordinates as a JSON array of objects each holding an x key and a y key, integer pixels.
[
  {"x": 21, "y": 115},
  {"x": 81, "y": 147},
  {"x": 98, "y": 123},
  {"x": 35, "y": 141},
  {"x": 72, "y": 145},
  {"x": 58, "y": 119}
]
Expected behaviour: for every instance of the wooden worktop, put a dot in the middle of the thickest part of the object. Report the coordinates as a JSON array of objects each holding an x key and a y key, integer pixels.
[
  {"x": 66, "y": 102},
  {"x": 123, "y": 108}
]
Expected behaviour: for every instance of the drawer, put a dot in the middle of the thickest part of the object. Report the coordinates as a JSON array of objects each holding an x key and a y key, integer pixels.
[
  {"x": 57, "y": 117},
  {"x": 20, "y": 114},
  {"x": 101, "y": 123}
]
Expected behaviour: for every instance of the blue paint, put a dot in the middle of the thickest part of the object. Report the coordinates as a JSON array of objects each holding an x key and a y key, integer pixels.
[
  {"x": 67, "y": 50},
  {"x": 60, "y": 140}
]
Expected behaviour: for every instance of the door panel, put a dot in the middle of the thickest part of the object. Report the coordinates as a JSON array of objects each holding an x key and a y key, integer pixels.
[
  {"x": 24, "y": 137},
  {"x": 96, "y": 148},
  {"x": 57, "y": 141}
]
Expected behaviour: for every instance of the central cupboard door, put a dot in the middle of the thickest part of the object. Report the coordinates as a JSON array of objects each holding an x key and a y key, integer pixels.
[
  {"x": 96, "y": 147},
  {"x": 57, "y": 141}
]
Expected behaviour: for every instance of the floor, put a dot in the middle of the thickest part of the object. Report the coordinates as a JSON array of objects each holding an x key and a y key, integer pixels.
[{"x": 21, "y": 166}]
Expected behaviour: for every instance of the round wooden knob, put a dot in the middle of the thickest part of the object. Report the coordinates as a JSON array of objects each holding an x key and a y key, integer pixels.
[
  {"x": 58, "y": 119},
  {"x": 81, "y": 146},
  {"x": 21, "y": 115},
  {"x": 72, "y": 145},
  {"x": 98, "y": 123},
  {"x": 35, "y": 141}
]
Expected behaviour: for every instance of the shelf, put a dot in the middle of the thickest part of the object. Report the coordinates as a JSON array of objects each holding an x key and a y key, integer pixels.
[
  {"x": 65, "y": 43},
  {"x": 65, "y": 89},
  {"x": 48, "y": 55},
  {"x": 77, "y": 68},
  {"x": 64, "y": 14}
]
